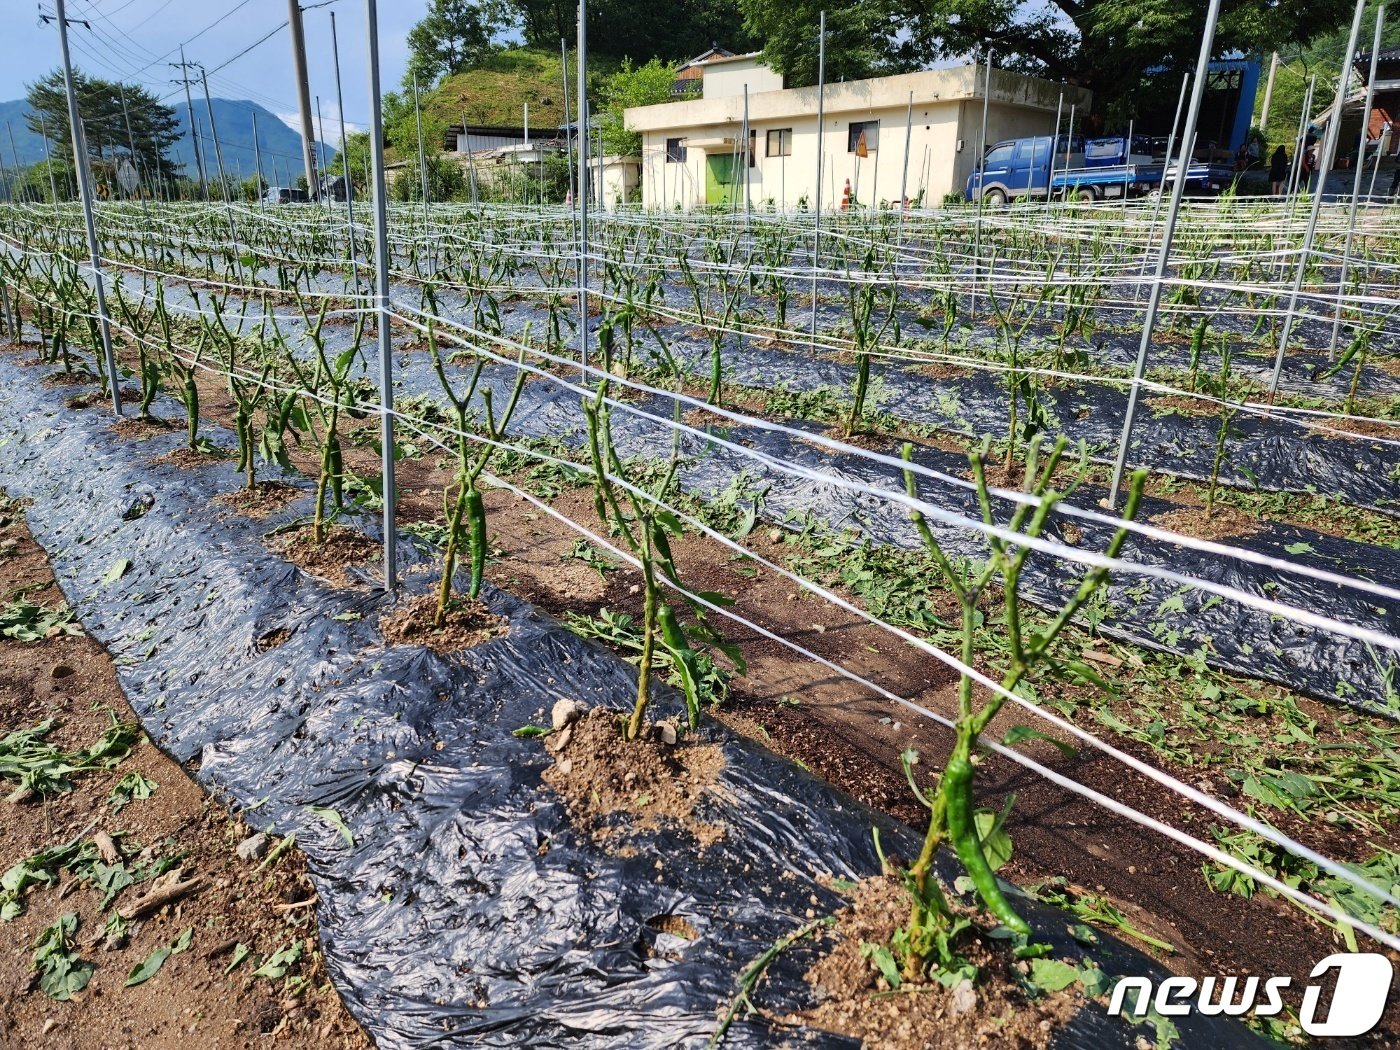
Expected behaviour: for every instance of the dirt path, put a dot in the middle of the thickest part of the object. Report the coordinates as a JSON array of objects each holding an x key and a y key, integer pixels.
[{"x": 193, "y": 1000}]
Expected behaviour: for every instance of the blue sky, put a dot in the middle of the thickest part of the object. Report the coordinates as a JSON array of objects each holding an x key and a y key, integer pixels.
[{"x": 135, "y": 39}]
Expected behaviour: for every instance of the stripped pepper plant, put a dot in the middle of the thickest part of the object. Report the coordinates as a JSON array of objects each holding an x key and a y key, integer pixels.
[{"x": 925, "y": 945}]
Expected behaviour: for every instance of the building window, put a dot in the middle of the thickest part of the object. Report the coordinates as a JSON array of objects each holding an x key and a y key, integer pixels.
[
  {"x": 753, "y": 147},
  {"x": 675, "y": 151},
  {"x": 780, "y": 142},
  {"x": 869, "y": 128}
]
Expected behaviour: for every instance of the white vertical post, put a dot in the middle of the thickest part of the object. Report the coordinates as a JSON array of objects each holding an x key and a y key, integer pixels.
[
  {"x": 582, "y": 108},
  {"x": 904, "y": 176},
  {"x": 1324, "y": 163},
  {"x": 382, "y": 264},
  {"x": 821, "y": 152},
  {"x": 1188, "y": 138},
  {"x": 981, "y": 175},
  {"x": 1356, "y": 181},
  {"x": 80, "y": 169}
]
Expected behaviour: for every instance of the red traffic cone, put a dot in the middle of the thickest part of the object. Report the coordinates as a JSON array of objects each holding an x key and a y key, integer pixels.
[
  {"x": 569, "y": 197},
  {"x": 846, "y": 196}
]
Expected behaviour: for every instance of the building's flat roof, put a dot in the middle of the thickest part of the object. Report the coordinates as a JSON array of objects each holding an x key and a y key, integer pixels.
[
  {"x": 721, "y": 59},
  {"x": 932, "y": 86}
]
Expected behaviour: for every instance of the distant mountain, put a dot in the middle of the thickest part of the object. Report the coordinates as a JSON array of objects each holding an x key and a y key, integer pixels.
[{"x": 279, "y": 145}]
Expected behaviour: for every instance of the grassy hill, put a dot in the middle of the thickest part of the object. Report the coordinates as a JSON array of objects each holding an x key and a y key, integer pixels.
[{"x": 496, "y": 91}]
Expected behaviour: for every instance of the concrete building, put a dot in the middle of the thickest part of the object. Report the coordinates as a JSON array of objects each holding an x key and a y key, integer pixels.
[{"x": 692, "y": 154}]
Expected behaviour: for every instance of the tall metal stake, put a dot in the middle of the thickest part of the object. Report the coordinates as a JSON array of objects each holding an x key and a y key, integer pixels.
[
  {"x": 345, "y": 162},
  {"x": 583, "y": 185},
  {"x": 981, "y": 169},
  {"x": 382, "y": 263},
  {"x": 80, "y": 169},
  {"x": 1324, "y": 163},
  {"x": 821, "y": 152},
  {"x": 1188, "y": 138},
  {"x": 48, "y": 161},
  {"x": 194, "y": 124},
  {"x": 422, "y": 170},
  {"x": 1356, "y": 181},
  {"x": 904, "y": 176},
  {"x": 568, "y": 133},
  {"x": 257, "y": 164}
]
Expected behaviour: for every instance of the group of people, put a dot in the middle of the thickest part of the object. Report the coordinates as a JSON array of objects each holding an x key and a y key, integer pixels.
[{"x": 1279, "y": 166}]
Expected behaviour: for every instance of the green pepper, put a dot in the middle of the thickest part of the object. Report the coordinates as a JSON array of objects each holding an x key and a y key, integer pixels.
[
  {"x": 962, "y": 831},
  {"x": 476, "y": 515}
]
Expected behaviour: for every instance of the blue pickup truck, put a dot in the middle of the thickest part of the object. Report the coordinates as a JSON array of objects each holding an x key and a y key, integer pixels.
[{"x": 1079, "y": 169}]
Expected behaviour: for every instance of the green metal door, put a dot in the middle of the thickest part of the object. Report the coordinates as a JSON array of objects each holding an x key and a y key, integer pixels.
[{"x": 720, "y": 185}]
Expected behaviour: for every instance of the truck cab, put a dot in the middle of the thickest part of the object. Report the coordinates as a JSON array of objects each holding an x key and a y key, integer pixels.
[{"x": 1014, "y": 168}]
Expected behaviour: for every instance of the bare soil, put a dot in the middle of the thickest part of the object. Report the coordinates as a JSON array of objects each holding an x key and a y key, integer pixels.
[
  {"x": 264, "y": 498},
  {"x": 466, "y": 624},
  {"x": 140, "y": 427},
  {"x": 341, "y": 549},
  {"x": 856, "y": 1001},
  {"x": 192, "y": 1000},
  {"x": 612, "y": 785},
  {"x": 188, "y": 459},
  {"x": 1224, "y": 522}
]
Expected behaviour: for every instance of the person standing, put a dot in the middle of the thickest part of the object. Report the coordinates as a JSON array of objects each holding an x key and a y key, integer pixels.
[{"x": 1278, "y": 170}]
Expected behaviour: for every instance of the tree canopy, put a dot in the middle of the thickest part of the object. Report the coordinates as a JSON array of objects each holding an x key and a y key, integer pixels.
[
  {"x": 453, "y": 35},
  {"x": 1104, "y": 45},
  {"x": 154, "y": 127}
]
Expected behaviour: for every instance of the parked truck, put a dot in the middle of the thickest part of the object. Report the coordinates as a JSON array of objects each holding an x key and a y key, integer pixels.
[{"x": 1080, "y": 169}]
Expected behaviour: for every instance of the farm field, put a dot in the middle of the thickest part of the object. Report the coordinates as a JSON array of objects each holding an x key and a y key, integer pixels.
[{"x": 838, "y": 538}]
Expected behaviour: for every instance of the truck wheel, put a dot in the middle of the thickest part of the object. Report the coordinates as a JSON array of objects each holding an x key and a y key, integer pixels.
[
  {"x": 996, "y": 197},
  {"x": 1087, "y": 194}
]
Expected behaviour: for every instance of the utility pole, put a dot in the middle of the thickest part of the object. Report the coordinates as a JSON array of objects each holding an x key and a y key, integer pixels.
[
  {"x": 80, "y": 169},
  {"x": 308, "y": 149},
  {"x": 184, "y": 68},
  {"x": 1268, "y": 94}
]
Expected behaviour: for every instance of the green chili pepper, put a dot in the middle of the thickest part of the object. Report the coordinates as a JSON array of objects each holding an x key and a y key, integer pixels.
[
  {"x": 476, "y": 514},
  {"x": 962, "y": 831}
]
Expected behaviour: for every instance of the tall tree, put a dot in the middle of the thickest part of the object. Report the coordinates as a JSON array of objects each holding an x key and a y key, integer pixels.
[
  {"x": 453, "y": 35},
  {"x": 1104, "y": 45},
  {"x": 634, "y": 28},
  {"x": 154, "y": 127}
]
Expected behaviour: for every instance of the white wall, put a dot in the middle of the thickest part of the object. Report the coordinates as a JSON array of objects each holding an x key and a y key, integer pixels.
[
  {"x": 935, "y": 163},
  {"x": 726, "y": 78}
]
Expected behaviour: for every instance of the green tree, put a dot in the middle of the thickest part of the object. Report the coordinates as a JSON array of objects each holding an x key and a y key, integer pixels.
[
  {"x": 636, "y": 29},
  {"x": 154, "y": 128},
  {"x": 1101, "y": 44},
  {"x": 453, "y": 35},
  {"x": 357, "y": 153},
  {"x": 447, "y": 181},
  {"x": 632, "y": 86},
  {"x": 34, "y": 184}
]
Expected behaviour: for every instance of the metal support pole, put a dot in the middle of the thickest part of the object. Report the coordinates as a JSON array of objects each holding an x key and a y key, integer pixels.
[
  {"x": 821, "y": 152},
  {"x": 904, "y": 176},
  {"x": 131, "y": 143},
  {"x": 1324, "y": 162},
  {"x": 80, "y": 169},
  {"x": 1162, "y": 185},
  {"x": 748, "y": 161},
  {"x": 1054, "y": 149},
  {"x": 422, "y": 169},
  {"x": 194, "y": 125},
  {"x": 308, "y": 154},
  {"x": 219, "y": 158},
  {"x": 568, "y": 134},
  {"x": 1356, "y": 181},
  {"x": 582, "y": 274},
  {"x": 48, "y": 161},
  {"x": 257, "y": 164},
  {"x": 981, "y": 175},
  {"x": 1188, "y": 138},
  {"x": 382, "y": 263},
  {"x": 1304, "y": 119},
  {"x": 345, "y": 162}
]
